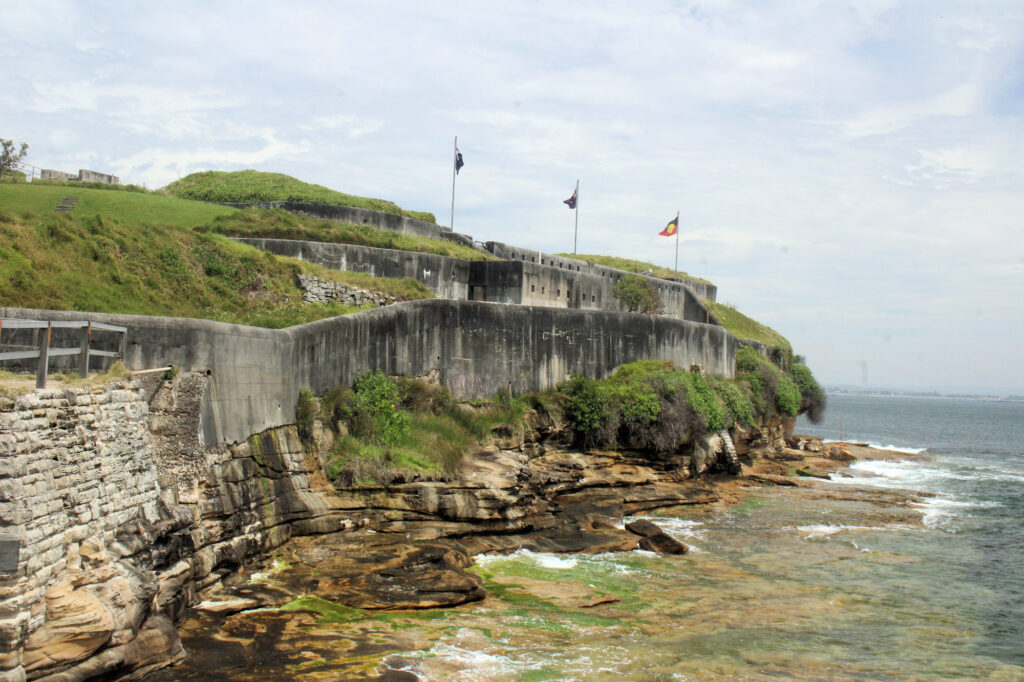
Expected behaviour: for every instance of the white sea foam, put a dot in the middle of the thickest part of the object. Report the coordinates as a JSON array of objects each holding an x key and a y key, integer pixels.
[
  {"x": 940, "y": 510},
  {"x": 879, "y": 446},
  {"x": 542, "y": 559},
  {"x": 684, "y": 530},
  {"x": 822, "y": 530}
]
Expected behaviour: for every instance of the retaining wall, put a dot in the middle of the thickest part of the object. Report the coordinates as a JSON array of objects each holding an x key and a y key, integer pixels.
[
  {"x": 701, "y": 290},
  {"x": 362, "y": 216},
  {"x": 477, "y": 348},
  {"x": 445, "y": 277}
]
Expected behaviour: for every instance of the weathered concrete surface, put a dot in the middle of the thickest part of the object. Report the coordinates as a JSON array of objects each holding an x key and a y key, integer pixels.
[
  {"x": 702, "y": 290},
  {"x": 362, "y": 216},
  {"x": 477, "y": 348},
  {"x": 445, "y": 277}
]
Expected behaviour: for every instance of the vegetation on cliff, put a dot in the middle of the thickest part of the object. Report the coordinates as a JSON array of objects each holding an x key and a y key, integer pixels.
[
  {"x": 389, "y": 430},
  {"x": 249, "y": 186},
  {"x": 637, "y": 266},
  {"x": 127, "y": 252}
]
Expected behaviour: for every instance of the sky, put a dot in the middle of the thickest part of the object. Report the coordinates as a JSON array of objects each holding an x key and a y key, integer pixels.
[{"x": 848, "y": 173}]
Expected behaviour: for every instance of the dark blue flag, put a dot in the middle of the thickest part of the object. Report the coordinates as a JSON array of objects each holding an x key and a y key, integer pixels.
[
  {"x": 571, "y": 201},
  {"x": 458, "y": 160}
]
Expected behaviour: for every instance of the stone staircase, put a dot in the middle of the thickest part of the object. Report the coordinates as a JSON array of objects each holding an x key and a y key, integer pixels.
[
  {"x": 728, "y": 456},
  {"x": 66, "y": 204}
]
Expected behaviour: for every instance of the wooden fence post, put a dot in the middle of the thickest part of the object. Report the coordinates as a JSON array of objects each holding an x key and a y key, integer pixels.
[
  {"x": 85, "y": 340},
  {"x": 44, "y": 357}
]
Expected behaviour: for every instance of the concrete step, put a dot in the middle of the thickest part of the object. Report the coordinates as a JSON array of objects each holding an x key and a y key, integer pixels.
[{"x": 66, "y": 204}]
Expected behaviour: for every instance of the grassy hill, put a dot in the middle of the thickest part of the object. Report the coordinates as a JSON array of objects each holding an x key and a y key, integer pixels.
[
  {"x": 141, "y": 253},
  {"x": 637, "y": 266},
  {"x": 237, "y": 187},
  {"x": 741, "y": 326}
]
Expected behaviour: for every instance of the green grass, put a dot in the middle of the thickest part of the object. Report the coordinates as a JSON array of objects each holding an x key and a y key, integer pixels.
[
  {"x": 743, "y": 327},
  {"x": 279, "y": 224},
  {"x": 127, "y": 252},
  {"x": 637, "y": 266},
  {"x": 251, "y": 186},
  {"x": 129, "y": 207}
]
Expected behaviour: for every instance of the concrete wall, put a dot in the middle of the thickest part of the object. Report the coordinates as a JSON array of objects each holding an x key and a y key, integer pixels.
[
  {"x": 93, "y": 176},
  {"x": 528, "y": 283},
  {"x": 256, "y": 374},
  {"x": 445, "y": 277},
  {"x": 361, "y": 216},
  {"x": 701, "y": 290}
]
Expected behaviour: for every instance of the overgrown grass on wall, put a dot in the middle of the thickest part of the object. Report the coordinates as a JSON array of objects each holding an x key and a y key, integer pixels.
[
  {"x": 90, "y": 260},
  {"x": 638, "y": 266},
  {"x": 280, "y": 224},
  {"x": 392, "y": 430},
  {"x": 743, "y": 327},
  {"x": 250, "y": 186}
]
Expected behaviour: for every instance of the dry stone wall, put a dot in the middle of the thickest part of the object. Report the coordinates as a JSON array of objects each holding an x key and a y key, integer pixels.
[{"x": 317, "y": 290}]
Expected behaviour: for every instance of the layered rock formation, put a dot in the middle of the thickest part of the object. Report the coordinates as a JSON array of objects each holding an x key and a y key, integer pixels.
[{"x": 126, "y": 521}]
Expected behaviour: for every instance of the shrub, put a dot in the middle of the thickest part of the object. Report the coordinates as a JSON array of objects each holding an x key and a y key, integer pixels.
[
  {"x": 305, "y": 411},
  {"x": 375, "y": 403},
  {"x": 637, "y": 294},
  {"x": 813, "y": 399}
]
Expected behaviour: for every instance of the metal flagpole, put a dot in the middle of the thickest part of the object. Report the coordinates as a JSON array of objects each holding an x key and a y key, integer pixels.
[
  {"x": 576, "y": 228},
  {"x": 455, "y": 152},
  {"x": 677, "y": 246}
]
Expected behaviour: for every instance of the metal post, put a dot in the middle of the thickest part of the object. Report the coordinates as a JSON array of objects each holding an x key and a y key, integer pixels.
[
  {"x": 576, "y": 228},
  {"x": 44, "y": 357},
  {"x": 455, "y": 152},
  {"x": 122, "y": 347},
  {"x": 83, "y": 359},
  {"x": 677, "y": 246}
]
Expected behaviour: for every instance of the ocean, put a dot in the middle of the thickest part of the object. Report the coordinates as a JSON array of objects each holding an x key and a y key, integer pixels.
[
  {"x": 848, "y": 580},
  {"x": 901, "y": 570}
]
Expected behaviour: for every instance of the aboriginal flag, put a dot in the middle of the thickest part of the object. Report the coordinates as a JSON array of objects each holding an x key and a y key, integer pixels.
[{"x": 671, "y": 228}]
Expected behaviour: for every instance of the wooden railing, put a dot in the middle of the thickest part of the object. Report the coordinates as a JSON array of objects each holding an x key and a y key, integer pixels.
[{"x": 42, "y": 336}]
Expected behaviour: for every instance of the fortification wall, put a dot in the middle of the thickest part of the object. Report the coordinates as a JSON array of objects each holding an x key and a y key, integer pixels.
[
  {"x": 477, "y": 348},
  {"x": 527, "y": 283},
  {"x": 76, "y": 466},
  {"x": 701, "y": 290},
  {"x": 361, "y": 216},
  {"x": 445, "y": 277}
]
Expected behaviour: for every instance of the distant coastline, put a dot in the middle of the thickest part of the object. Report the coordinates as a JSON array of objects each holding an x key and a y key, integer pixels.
[{"x": 934, "y": 395}]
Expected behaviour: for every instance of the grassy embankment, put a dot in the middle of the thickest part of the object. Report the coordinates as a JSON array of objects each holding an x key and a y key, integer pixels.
[
  {"x": 393, "y": 430},
  {"x": 743, "y": 327},
  {"x": 255, "y": 186},
  {"x": 149, "y": 254},
  {"x": 637, "y": 266}
]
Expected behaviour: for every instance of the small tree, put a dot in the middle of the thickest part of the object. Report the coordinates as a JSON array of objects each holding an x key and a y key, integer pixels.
[
  {"x": 638, "y": 295},
  {"x": 9, "y": 158}
]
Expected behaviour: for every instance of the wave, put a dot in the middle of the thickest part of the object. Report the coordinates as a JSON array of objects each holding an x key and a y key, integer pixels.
[
  {"x": 891, "y": 447},
  {"x": 824, "y": 530},
  {"x": 939, "y": 511},
  {"x": 542, "y": 559}
]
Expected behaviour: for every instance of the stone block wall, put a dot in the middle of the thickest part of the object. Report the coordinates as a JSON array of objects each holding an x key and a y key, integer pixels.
[
  {"x": 75, "y": 466},
  {"x": 317, "y": 290}
]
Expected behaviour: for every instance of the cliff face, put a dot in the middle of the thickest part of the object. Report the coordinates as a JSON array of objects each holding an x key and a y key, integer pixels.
[{"x": 125, "y": 520}]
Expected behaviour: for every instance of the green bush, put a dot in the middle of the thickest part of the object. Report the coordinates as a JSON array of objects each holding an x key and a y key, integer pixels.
[
  {"x": 637, "y": 295},
  {"x": 781, "y": 386},
  {"x": 375, "y": 405}
]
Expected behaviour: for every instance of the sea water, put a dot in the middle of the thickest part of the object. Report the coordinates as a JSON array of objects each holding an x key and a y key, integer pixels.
[
  {"x": 825, "y": 583},
  {"x": 904, "y": 570}
]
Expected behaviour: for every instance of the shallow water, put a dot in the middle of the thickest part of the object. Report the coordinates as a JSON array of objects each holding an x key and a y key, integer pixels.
[{"x": 851, "y": 579}]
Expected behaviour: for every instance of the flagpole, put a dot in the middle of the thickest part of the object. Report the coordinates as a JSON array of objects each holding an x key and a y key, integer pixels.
[
  {"x": 677, "y": 246},
  {"x": 455, "y": 151},
  {"x": 576, "y": 227}
]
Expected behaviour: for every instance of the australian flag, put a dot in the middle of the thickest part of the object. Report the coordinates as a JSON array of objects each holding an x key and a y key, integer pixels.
[
  {"x": 458, "y": 160},
  {"x": 571, "y": 201}
]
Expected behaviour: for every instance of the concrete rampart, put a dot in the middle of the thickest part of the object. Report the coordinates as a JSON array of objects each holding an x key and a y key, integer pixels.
[
  {"x": 477, "y": 348},
  {"x": 350, "y": 215},
  {"x": 701, "y": 290},
  {"x": 445, "y": 277}
]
